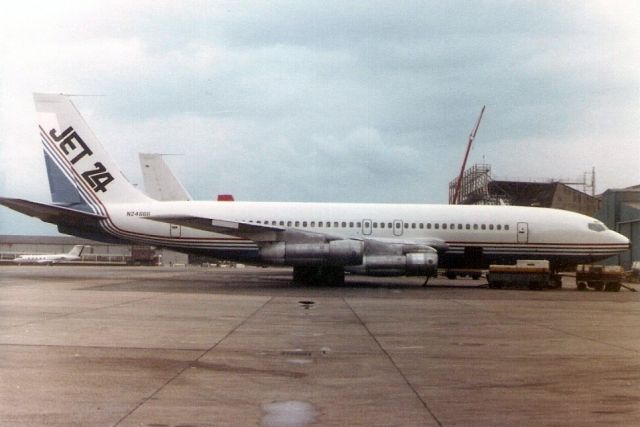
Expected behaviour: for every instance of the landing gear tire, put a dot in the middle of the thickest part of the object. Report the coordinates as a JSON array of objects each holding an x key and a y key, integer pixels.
[
  {"x": 612, "y": 287},
  {"x": 451, "y": 276},
  {"x": 322, "y": 275},
  {"x": 536, "y": 286},
  {"x": 555, "y": 282},
  {"x": 596, "y": 286},
  {"x": 582, "y": 286}
]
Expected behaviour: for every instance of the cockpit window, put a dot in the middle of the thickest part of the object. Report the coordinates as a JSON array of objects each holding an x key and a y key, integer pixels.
[{"x": 597, "y": 226}]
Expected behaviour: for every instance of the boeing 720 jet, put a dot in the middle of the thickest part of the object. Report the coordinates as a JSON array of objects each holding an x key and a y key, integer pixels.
[{"x": 93, "y": 199}]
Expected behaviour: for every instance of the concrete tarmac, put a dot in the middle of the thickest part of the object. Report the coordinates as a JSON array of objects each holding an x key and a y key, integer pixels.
[{"x": 157, "y": 347}]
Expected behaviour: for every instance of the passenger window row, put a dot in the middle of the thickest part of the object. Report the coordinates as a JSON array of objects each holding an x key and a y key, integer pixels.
[{"x": 381, "y": 225}]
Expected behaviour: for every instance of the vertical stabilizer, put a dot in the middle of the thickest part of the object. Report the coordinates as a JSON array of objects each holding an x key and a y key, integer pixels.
[
  {"x": 159, "y": 182},
  {"x": 76, "y": 250},
  {"x": 72, "y": 151}
]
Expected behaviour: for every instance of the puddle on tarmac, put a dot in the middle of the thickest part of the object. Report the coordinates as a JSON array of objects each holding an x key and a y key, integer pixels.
[{"x": 289, "y": 413}]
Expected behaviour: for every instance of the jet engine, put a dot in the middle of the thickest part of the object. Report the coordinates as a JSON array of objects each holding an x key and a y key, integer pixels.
[
  {"x": 337, "y": 252},
  {"x": 398, "y": 260}
]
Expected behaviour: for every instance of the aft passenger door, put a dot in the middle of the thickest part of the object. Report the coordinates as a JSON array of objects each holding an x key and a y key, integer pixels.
[
  {"x": 523, "y": 232},
  {"x": 175, "y": 230}
]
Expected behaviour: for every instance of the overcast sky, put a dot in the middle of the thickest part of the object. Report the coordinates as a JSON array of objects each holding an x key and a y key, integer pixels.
[{"x": 327, "y": 101}]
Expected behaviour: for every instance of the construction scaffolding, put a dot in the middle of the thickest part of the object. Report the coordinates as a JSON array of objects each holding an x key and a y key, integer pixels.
[
  {"x": 474, "y": 189},
  {"x": 478, "y": 187}
]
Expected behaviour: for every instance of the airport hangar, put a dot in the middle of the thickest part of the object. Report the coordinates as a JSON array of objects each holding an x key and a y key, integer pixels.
[{"x": 619, "y": 209}]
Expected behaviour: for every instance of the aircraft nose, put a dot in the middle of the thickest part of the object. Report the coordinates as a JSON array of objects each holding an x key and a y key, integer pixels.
[{"x": 621, "y": 239}]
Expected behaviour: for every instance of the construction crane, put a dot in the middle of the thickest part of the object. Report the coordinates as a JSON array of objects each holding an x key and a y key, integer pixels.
[{"x": 472, "y": 136}]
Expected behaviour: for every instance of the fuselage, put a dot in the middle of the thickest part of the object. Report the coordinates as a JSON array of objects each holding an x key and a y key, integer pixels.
[
  {"x": 44, "y": 259},
  {"x": 475, "y": 235}
]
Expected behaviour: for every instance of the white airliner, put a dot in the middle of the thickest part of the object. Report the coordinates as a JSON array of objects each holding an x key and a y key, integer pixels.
[
  {"x": 72, "y": 255},
  {"x": 92, "y": 199}
]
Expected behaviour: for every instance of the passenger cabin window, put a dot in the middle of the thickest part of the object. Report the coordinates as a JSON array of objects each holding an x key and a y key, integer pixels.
[
  {"x": 506, "y": 227},
  {"x": 382, "y": 225},
  {"x": 499, "y": 227}
]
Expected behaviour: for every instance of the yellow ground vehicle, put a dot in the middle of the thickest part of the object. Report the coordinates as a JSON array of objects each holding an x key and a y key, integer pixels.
[{"x": 599, "y": 277}]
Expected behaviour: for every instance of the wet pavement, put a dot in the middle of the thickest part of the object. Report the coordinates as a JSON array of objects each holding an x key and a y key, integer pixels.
[{"x": 140, "y": 346}]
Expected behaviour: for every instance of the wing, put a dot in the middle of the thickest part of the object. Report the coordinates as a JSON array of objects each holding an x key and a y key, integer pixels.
[
  {"x": 264, "y": 233},
  {"x": 258, "y": 233},
  {"x": 49, "y": 213}
]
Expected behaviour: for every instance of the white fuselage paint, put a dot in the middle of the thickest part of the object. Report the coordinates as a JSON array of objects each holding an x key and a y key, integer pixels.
[
  {"x": 501, "y": 231},
  {"x": 44, "y": 259}
]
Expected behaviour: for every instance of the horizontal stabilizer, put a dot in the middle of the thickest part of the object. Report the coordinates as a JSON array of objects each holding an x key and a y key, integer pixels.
[{"x": 49, "y": 213}]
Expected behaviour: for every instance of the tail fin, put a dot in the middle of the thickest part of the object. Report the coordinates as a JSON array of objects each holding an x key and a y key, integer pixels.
[
  {"x": 159, "y": 182},
  {"x": 77, "y": 250},
  {"x": 81, "y": 173}
]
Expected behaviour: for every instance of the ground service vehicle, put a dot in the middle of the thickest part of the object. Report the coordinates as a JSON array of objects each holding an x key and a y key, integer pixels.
[
  {"x": 599, "y": 277},
  {"x": 534, "y": 274}
]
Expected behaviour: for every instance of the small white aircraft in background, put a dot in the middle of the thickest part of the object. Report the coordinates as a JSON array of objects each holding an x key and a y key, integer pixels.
[{"x": 72, "y": 255}]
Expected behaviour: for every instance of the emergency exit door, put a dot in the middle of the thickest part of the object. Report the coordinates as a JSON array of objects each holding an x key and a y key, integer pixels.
[{"x": 397, "y": 227}]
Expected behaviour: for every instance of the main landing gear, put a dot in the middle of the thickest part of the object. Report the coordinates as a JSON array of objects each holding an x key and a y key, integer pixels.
[{"x": 318, "y": 275}]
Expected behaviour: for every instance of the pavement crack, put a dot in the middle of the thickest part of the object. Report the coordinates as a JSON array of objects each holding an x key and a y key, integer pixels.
[
  {"x": 73, "y": 313},
  {"x": 549, "y": 328},
  {"x": 386, "y": 353},
  {"x": 195, "y": 362}
]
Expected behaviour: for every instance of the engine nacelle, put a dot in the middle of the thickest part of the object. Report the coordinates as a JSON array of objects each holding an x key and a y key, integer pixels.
[
  {"x": 410, "y": 264},
  {"x": 337, "y": 252}
]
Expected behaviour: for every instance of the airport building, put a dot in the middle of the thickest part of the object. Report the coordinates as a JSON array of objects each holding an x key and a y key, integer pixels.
[
  {"x": 621, "y": 212},
  {"x": 479, "y": 188}
]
